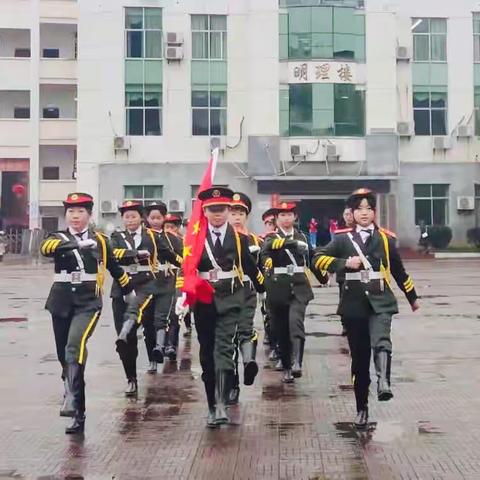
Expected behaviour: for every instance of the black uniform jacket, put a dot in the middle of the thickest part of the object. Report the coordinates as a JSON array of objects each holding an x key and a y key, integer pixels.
[
  {"x": 127, "y": 255},
  {"x": 360, "y": 299},
  {"x": 234, "y": 252},
  {"x": 63, "y": 247},
  {"x": 276, "y": 251}
]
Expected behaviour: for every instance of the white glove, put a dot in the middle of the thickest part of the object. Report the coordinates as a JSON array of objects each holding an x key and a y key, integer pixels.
[
  {"x": 302, "y": 246},
  {"x": 262, "y": 297},
  {"x": 86, "y": 244},
  {"x": 130, "y": 297},
  {"x": 181, "y": 309},
  {"x": 143, "y": 253},
  {"x": 254, "y": 248}
]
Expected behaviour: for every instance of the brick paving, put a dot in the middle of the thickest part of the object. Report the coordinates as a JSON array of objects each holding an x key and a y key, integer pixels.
[{"x": 301, "y": 431}]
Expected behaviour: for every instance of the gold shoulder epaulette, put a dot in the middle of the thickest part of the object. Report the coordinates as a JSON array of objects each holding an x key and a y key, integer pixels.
[{"x": 388, "y": 232}]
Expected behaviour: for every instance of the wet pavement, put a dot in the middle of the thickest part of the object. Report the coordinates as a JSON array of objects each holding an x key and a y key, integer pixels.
[{"x": 430, "y": 430}]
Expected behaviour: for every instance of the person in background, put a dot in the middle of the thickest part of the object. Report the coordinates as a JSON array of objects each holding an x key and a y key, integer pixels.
[{"x": 312, "y": 231}]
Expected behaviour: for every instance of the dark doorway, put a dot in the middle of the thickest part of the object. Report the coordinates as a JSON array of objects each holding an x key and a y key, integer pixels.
[{"x": 323, "y": 210}]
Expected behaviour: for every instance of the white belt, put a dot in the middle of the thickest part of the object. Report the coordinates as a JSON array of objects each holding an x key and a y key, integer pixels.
[
  {"x": 133, "y": 269},
  {"x": 364, "y": 276},
  {"x": 215, "y": 275},
  {"x": 74, "y": 277},
  {"x": 289, "y": 270},
  {"x": 162, "y": 267},
  {"x": 246, "y": 278}
]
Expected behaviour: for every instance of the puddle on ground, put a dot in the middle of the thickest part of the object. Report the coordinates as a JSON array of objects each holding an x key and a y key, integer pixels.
[
  {"x": 281, "y": 392},
  {"x": 13, "y": 319},
  {"x": 346, "y": 387},
  {"x": 348, "y": 431},
  {"x": 388, "y": 432},
  {"x": 426, "y": 428}
]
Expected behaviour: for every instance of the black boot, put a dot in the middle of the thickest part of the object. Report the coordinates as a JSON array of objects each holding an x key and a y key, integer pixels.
[
  {"x": 122, "y": 345},
  {"x": 152, "y": 367},
  {"x": 132, "y": 388},
  {"x": 210, "y": 392},
  {"x": 157, "y": 353},
  {"x": 383, "y": 362},
  {"x": 67, "y": 409},
  {"x": 76, "y": 383},
  {"x": 221, "y": 378},
  {"x": 287, "y": 376},
  {"x": 298, "y": 346},
  {"x": 361, "y": 420},
  {"x": 233, "y": 389},
  {"x": 250, "y": 370}
]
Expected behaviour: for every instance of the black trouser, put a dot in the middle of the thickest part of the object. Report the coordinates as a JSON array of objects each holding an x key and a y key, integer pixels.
[
  {"x": 205, "y": 323},
  {"x": 173, "y": 330},
  {"x": 288, "y": 322},
  {"x": 341, "y": 284},
  {"x": 72, "y": 333},
  {"x": 145, "y": 318},
  {"x": 365, "y": 334}
]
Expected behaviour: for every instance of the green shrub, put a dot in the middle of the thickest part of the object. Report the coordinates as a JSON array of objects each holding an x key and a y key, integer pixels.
[
  {"x": 473, "y": 236},
  {"x": 439, "y": 236}
]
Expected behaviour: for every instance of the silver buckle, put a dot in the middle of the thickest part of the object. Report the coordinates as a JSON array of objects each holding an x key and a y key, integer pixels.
[
  {"x": 213, "y": 275},
  {"x": 290, "y": 269},
  {"x": 76, "y": 277},
  {"x": 133, "y": 268},
  {"x": 365, "y": 276}
]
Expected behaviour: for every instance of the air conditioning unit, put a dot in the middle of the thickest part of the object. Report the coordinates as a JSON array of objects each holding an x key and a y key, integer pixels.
[
  {"x": 333, "y": 152},
  {"x": 465, "y": 131},
  {"x": 404, "y": 53},
  {"x": 442, "y": 143},
  {"x": 109, "y": 206},
  {"x": 298, "y": 150},
  {"x": 465, "y": 203},
  {"x": 405, "y": 129},
  {"x": 174, "y": 38},
  {"x": 121, "y": 143},
  {"x": 175, "y": 205},
  {"x": 174, "y": 53}
]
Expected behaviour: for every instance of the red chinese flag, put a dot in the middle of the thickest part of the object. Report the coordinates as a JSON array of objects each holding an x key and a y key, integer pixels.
[{"x": 196, "y": 288}]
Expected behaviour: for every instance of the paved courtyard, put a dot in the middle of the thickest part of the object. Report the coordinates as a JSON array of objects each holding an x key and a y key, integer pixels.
[{"x": 431, "y": 429}]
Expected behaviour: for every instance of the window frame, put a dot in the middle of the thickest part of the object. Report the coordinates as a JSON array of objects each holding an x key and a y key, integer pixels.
[
  {"x": 145, "y": 87},
  {"x": 429, "y": 34},
  {"x": 143, "y": 199},
  {"x": 431, "y": 109},
  {"x": 208, "y": 32},
  {"x": 144, "y": 34},
  {"x": 209, "y": 109},
  {"x": 431, "y": 199}
]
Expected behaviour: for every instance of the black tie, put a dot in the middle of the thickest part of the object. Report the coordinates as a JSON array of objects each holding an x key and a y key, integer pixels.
[
  {"x": 80, "y": 235},
  {"x": 217, "y": 246}
]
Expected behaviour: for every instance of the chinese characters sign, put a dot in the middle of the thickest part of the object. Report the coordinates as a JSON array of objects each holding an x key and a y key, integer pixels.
[{"x": 322, "y": 72}]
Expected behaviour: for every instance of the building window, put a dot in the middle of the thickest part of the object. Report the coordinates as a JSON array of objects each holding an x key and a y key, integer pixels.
[
  {"x": 431, "y": 204},
  {"x": 476, "y": 37},
  {"x": 51, "y": 173},
  {"x": 209, "y": 112},
  {"x": 326, "y": 110},
  {"x": 430, "y": 110},
  {"x": 325, "y": 32},
  {"x": 143, "y": 71},
  {"x": 209, "y": 37},
  {"x": 50, "y": 224},
  {"x": 143, "y": 193},
  {"x": 429, "y": 39},
  {"x": 477, "y": 111},
  {"x": 477, "y": 205},
  {"x": 143, "y": 32}
]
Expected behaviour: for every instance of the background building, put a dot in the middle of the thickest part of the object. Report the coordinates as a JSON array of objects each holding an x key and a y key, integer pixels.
[{"x": 306, "y": 99}]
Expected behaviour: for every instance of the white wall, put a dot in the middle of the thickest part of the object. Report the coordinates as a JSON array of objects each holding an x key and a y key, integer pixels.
[
  {"x": 252, "y": 83},
  {"x": 58, "y": 156},
  {"x": 11, "y": 39},
  {"x": 61, "y": 96},
  {"x": 9, "y": 99},
  {"x": 59, "y": 36}
]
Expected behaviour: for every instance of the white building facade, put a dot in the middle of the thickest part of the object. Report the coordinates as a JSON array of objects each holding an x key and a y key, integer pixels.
[{"x": 307, "y": 100}]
